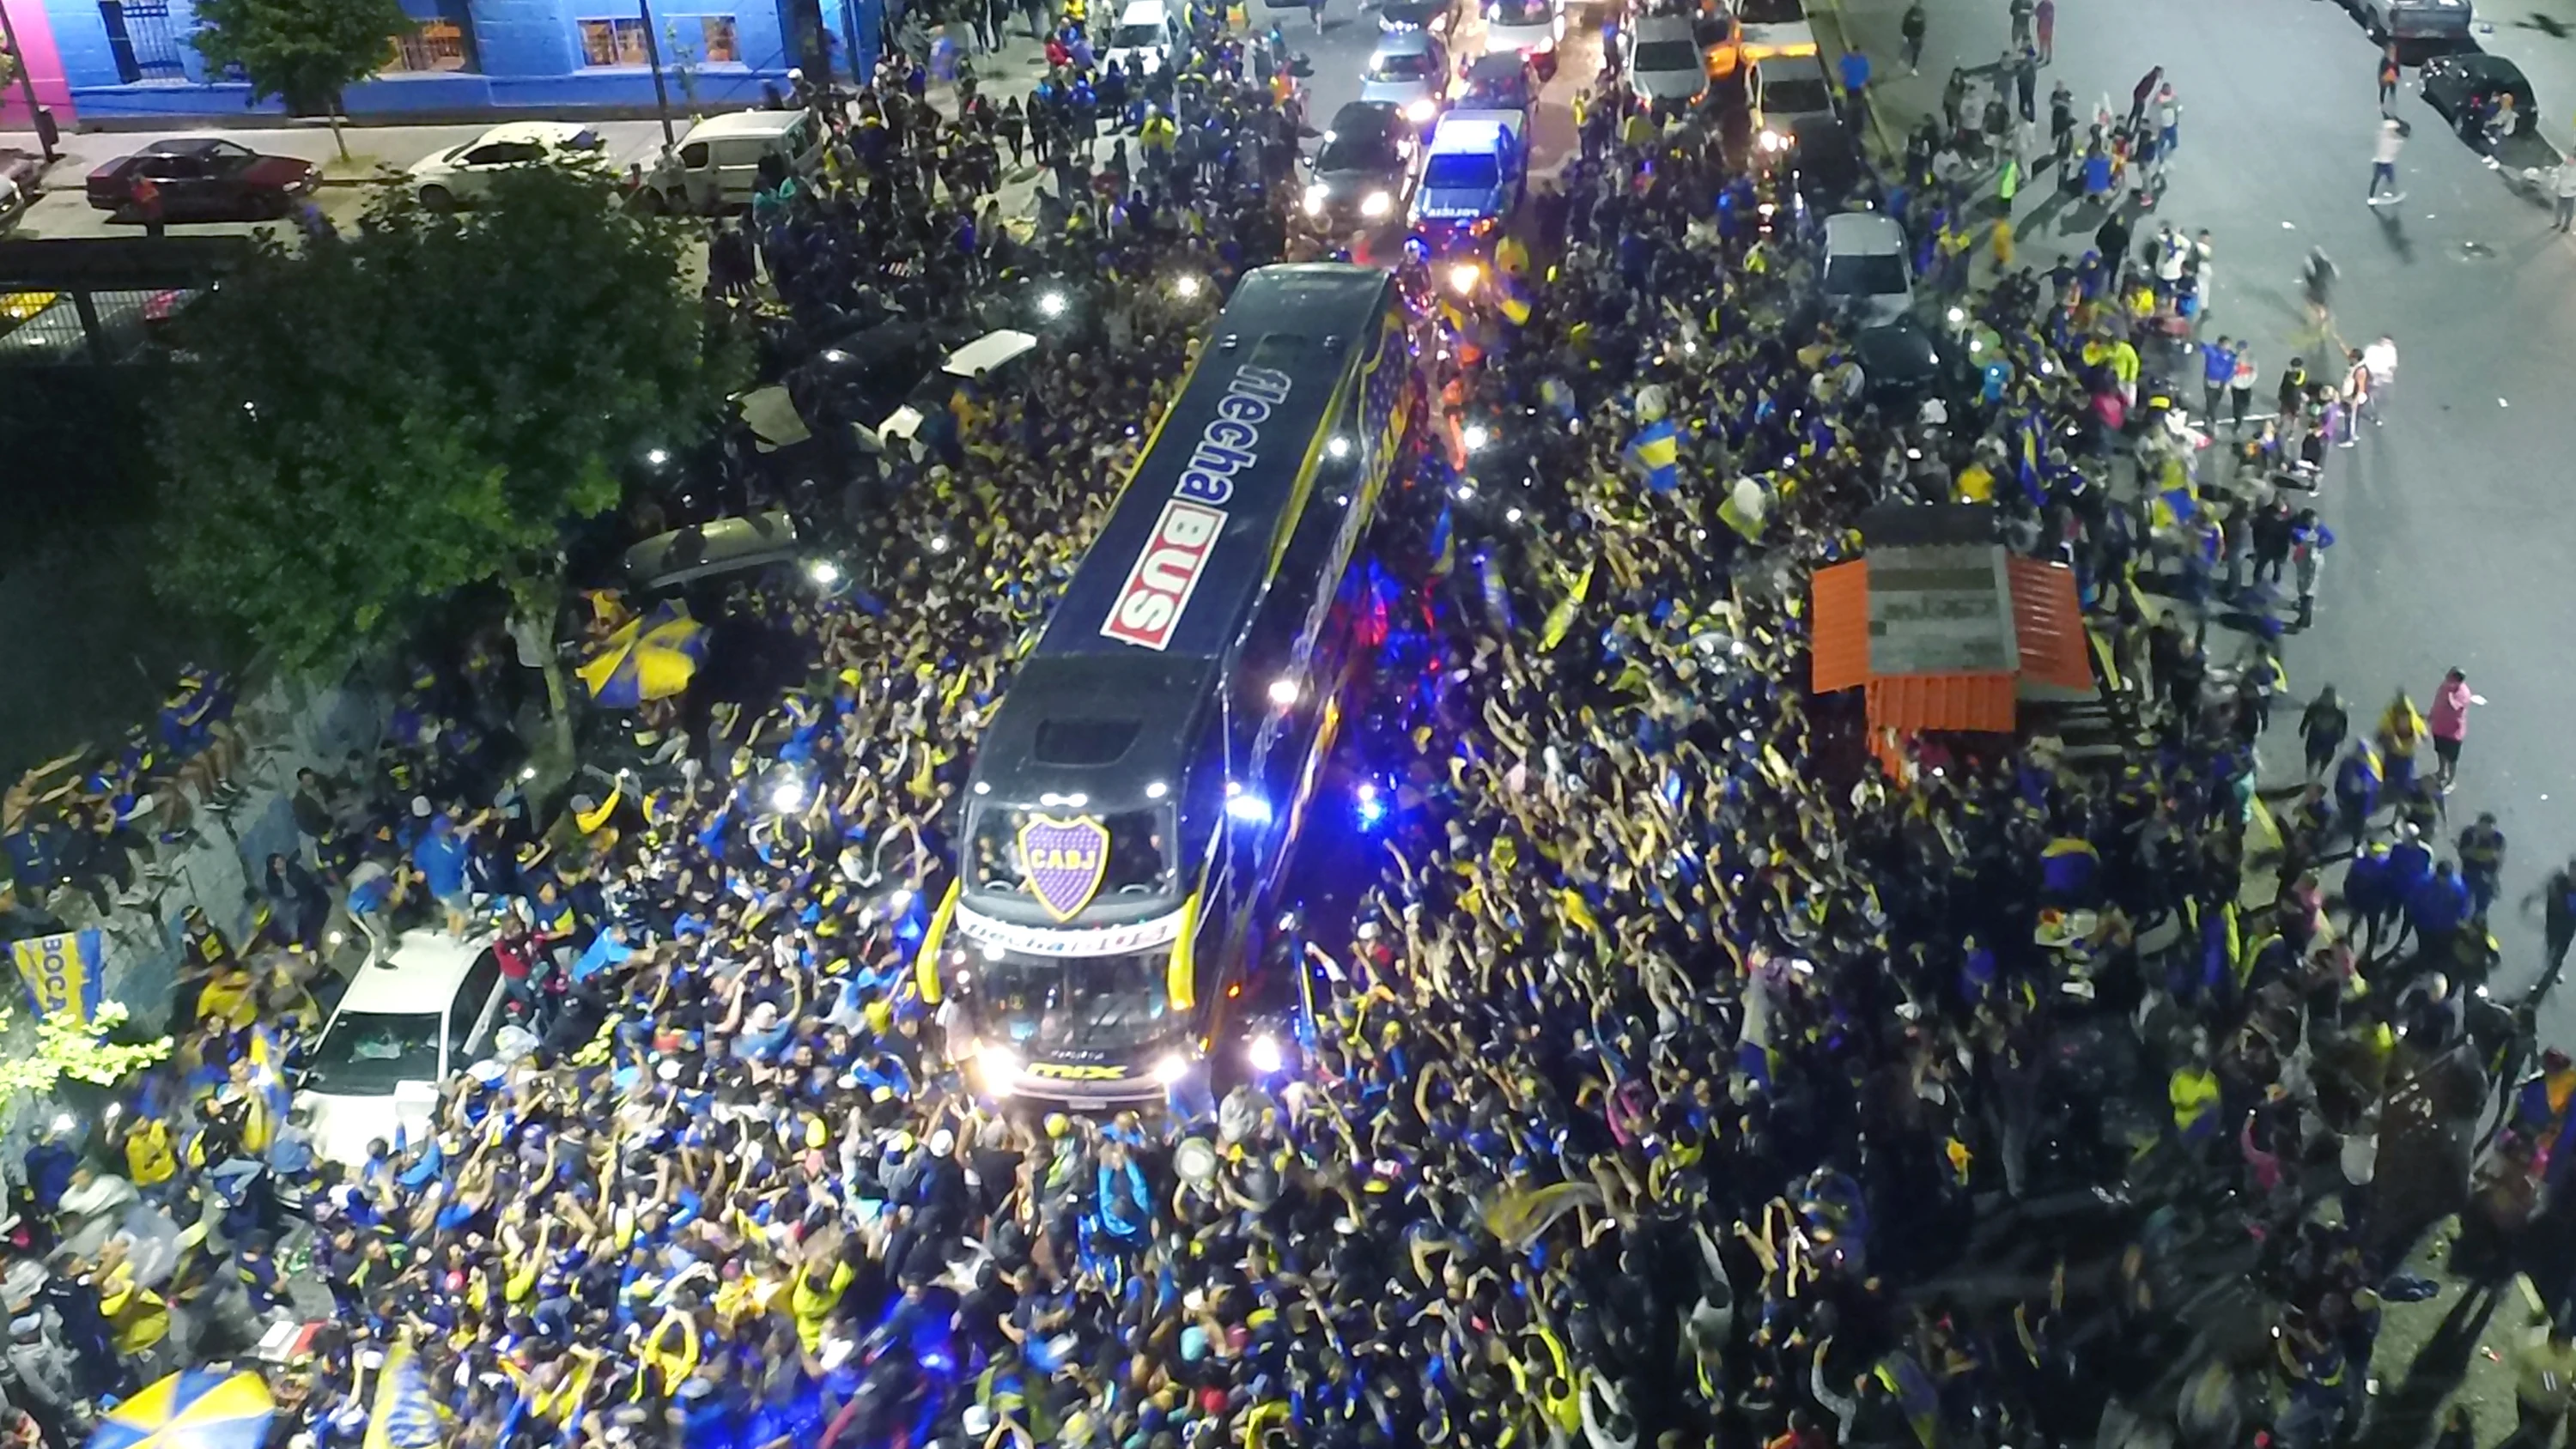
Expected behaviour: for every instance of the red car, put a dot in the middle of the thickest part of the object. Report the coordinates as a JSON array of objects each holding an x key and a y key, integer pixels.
[{"x": 205, "y": 179}]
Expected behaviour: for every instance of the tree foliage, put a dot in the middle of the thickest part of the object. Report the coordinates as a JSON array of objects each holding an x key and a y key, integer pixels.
[
  {"x": 422, "y": 406},
  {"x": 303, "y": 52},
  {"x": 67, "y": 1046}
]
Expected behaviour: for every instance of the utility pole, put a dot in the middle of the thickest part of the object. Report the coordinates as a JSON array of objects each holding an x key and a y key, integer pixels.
[
  {"x": 653, "y": 53},
  {"x": 26, "y": 84}
]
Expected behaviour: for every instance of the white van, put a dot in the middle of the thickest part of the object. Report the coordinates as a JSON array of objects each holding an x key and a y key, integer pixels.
[
  {"x": 1147, "y": 35},
  {"x": 405, "y": 1025},
  {"x": 719, "y": 160}
]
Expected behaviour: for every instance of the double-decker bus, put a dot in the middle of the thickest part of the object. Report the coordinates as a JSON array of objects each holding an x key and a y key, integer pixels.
[{"x": 1137, "y": 795}]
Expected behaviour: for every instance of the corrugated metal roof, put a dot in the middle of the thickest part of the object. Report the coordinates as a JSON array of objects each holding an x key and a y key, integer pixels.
[
  {"x": 2049, "y": 625},
  {"x": 1838, "y": 652},
  {"x": 1982, "y": 702}
]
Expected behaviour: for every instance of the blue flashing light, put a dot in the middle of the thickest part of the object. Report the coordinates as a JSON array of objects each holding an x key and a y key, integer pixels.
[
  {"x": 1249, "y": 808},
  {"x": 1372, "y": 807}
]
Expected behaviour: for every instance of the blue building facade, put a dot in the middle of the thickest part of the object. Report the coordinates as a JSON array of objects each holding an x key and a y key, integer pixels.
[{"x": 133, "y": 58}]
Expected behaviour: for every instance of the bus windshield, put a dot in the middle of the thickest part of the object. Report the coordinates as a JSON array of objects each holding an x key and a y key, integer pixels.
[
  {"x": 1108, "y": 1003},
  {"x": 1140, "y": 850}
]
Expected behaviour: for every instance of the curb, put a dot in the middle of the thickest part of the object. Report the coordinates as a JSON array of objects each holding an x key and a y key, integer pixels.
[{"x": 1877, "y": 119}]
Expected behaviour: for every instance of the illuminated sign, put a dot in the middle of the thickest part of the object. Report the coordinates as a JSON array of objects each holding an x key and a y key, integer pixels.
[
  {"x": 1064, "y": 861},
  {"x": 1125, "y": 940},
  {"x": 1076, "y": 1071},
  {"x": 1166, "y": 572}
]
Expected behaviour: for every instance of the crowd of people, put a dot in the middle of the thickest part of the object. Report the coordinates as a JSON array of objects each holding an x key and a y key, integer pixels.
[{"x": 1693, "y": 1049}]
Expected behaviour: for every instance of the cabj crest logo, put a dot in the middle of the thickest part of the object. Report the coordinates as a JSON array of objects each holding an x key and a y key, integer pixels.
[{"x": 1064, "y": 861}]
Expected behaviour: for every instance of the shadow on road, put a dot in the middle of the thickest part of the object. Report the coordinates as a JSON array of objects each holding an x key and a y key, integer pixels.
[
  {"x": 2549, "y": 25},
  {"x": 2392, "y": 230},
  {"x": 2404, "y": 1418}
]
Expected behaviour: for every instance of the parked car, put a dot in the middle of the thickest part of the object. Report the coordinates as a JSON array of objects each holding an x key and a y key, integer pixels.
[
  {"x": 1773, "y": 27},
  {"x": 24, "y": 169},
  {"x": 1409, "y": 70},
  {"x": 1865, "y": 268},
  {"x": 2470, "y": 84},
  {"x": 462, "y": 175},
  {"x": 404, "y": 1028},
  {"x": 1665, "y": 69},
  {"x": 719, "y": 160},
  {"x": 1365, "y": 171},
  {"x": 1148, "y": 33},
  {"x": 205, "y": 178},
  {"x": 2388, "y": 20}
]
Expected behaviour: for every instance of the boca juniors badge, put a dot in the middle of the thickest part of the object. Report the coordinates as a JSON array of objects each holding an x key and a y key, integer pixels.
[{"x": 1064, "y": 861}]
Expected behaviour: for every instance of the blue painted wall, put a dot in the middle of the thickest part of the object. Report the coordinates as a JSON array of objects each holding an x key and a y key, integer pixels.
[{"x": 527, "y": 56}]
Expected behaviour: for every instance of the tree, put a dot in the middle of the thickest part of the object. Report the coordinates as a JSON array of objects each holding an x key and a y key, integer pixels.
[
  {"x": 303, "y": 52},
  {"x": 67, "y": 1046},
  {"x": 381, "y": 421}
]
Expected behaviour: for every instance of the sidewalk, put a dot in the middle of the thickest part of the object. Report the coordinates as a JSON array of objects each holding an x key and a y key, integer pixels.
[{"x": 379, "y": 151}]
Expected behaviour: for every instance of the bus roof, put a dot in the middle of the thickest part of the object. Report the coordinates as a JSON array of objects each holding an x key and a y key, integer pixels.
[
  {"x": 1224, "y": 478},
  {"x": 1105, "y": 727}
]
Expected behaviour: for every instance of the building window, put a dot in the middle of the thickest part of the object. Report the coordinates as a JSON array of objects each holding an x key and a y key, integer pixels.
[
  {"x": 718, "y": 47},
  {"x": 435, "y": 45},
  {"x": 613, "y": 42}
]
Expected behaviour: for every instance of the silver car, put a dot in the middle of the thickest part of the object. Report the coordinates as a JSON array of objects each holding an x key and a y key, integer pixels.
[
  {"x": 1409, "y": 71},
  {"x": 1666, "y": 70}
]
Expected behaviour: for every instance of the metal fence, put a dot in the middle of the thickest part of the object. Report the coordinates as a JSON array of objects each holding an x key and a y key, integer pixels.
[{"x": 141, "y": 38}]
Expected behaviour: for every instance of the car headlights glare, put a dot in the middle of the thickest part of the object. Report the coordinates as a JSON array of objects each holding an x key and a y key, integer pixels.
[
  {"x": 1376, "y": 204},
  {"x": 1421, "y": 110},
  {"x": 1315, "y": 201}
]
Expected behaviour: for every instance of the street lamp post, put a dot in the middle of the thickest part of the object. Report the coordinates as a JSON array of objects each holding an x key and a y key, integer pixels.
[
  {"x": 661, "y": 92},
  {"x": 26, "y": 82}
]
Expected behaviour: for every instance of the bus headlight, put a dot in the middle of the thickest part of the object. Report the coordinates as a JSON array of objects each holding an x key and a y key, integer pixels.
[
  {"x": 1376, "y": 204},
  {"x": 999, "y": 1066},
  {"x": 1315, "y": 200},
  {"x": 1265, "y": 1055},
  {"x": 1172, "y": 1070},
  {"x": 1421, "y": 109}
]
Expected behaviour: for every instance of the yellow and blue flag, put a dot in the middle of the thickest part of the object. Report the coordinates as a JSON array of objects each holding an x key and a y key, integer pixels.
[
  {"x": 1656, "y": 453},
  {"x": 271, "y": 1097},
  {"x": 404, "y": 1416},
  {"x": 1512, "y": 296},
  {"x": 1560, "y": 619},
  {"x": 64, "y": 972},
  {"x": 1444, "y": 544}
]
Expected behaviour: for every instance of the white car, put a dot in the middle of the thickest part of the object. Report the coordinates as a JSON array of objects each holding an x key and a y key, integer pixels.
[
  {"x": 1865, "y": 267},
  {"x": 1666, "y": 70},
  {"x": 405, "y": 1025},
  {"x": 987, "y": 360},
  {"x": 462, "y": 175},
  {"x": 1532, "y": 27},
  {"x": 1766, "y": 28},
  {"x": 1409, "y": 71}
]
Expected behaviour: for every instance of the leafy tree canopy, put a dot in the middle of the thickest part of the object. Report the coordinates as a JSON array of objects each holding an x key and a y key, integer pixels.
[
  {"x": 422, "y": 406},
  {"x": 304, "y": 52}
]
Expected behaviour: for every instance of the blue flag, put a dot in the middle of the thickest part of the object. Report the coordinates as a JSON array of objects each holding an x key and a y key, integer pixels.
[{"x": 1656, "y": 453}]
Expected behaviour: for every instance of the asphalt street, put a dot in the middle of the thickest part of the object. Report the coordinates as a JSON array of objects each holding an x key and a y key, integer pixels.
[{"x": 2453, "y": 539}]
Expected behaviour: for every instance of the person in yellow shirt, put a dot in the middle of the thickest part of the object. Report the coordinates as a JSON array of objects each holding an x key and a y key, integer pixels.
[
  {"x": 2124, "y": 367},
  {"x": 149, "y": 1158},
  {"x": 1975, "y": 483}
]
